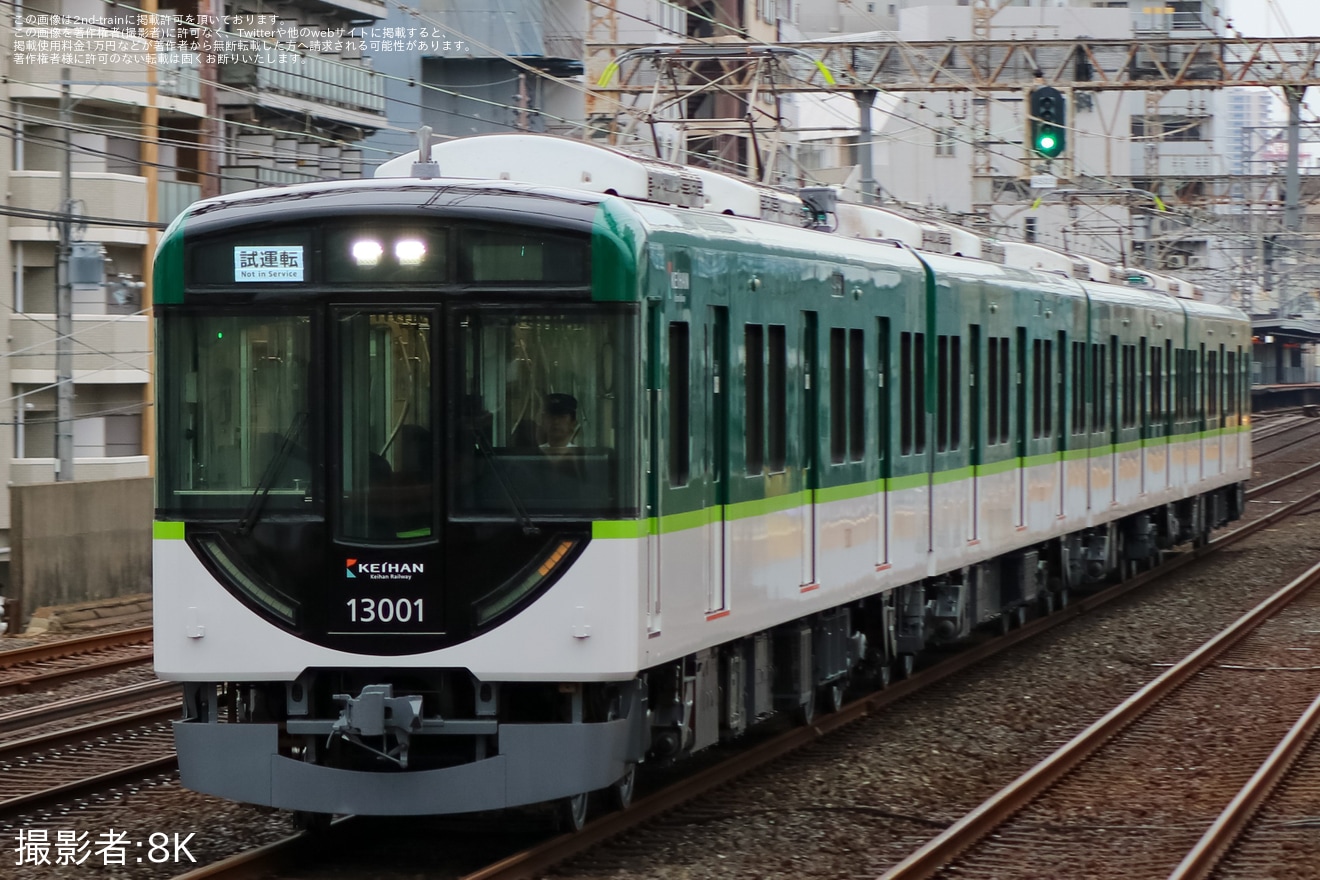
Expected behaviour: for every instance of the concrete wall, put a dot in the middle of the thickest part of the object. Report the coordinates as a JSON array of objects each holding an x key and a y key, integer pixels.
[{"x": 78, "y": 541}]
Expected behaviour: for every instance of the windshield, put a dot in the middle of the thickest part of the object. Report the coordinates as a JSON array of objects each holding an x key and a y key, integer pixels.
[
  {"x": 543, "y": 423},
  {"x": 234, "y": 412}
]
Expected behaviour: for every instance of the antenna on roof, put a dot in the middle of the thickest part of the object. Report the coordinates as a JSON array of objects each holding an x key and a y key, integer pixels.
[{"x": 425, "y": 169}]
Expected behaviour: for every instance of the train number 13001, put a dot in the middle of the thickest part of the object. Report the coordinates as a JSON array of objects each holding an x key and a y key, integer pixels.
[{"x": 367, "y": 610}]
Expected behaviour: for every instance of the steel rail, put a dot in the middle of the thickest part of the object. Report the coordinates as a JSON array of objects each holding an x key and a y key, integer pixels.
[
  {"x": 1201, "y": 861},
  {"x": 981, "y": 821},
  {"x": 259, "y": 863},
  {"x": 74, "y": 673},
  {"x": 1266, "y": 488},
  {"x": 534, "y": 862},
  {"x": 133, "y": 693},
  {"x": 72, "y": 647},
  {"x": 59, "y": 794},
  {"x": 91, "y": 730},
  {"x": 1289, "y": 445}
]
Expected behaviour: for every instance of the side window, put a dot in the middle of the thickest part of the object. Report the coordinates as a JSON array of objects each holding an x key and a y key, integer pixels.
[
  {"x": 777, "y": 421},
  {"x": 1212, "y": 386},
  {"x": 856, "y": 396},
  {"x": 919, "y": 391},
  {"x": 680, "y": 404},
  {"x": 1039, "y": 388},
  {"x": 754, "y": 426},
  {"x": 992, "y": 402},
  {"x": 1156, "y": 384},
  {"x": 838, "y": 395},
  {"x": 1098, "y": 407},
  {"x": 905, "y": 382},
  {"x": 1079, "y": 387},
  {"x": 1129, "y": 386},
  {"x": 882, "y": 384},
  {"x": 948, "y": 409}
]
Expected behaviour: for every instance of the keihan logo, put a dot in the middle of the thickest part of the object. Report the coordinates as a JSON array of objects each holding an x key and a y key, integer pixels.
[{"x": 390, "y": 571}]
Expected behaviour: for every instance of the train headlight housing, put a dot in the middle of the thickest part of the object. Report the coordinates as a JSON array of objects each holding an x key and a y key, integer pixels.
[
  {"x": 367, "y": 252},
  {"x": 410, "y": 251}
]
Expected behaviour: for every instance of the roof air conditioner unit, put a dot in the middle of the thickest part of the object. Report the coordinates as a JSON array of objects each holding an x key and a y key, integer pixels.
[
  {"x": 1195, "y": 261},
  {"x": 1176, "y": 261}
]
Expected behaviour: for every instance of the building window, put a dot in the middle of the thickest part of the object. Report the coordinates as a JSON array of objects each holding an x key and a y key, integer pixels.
[
  {"x": 1029, "y": 230},
  {"x": 944, "y": 142}
]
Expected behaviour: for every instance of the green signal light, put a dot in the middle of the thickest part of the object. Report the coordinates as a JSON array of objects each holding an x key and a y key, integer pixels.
[
  {"x": 1046, "y": 142},
  {"x": 219, "y": 336}
]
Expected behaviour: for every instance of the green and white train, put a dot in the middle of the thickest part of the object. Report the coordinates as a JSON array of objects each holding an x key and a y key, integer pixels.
[{"x": 476, "y": 492}]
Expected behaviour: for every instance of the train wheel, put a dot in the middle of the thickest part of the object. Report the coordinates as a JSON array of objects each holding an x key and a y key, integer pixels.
[
  {"x": 573, "y": 812},
  {"x": 906, "y": 665},
  {"x": 833, "y": 695},
  {"x": 620, "y": 794},
  {"x": 806, "y": 713}
]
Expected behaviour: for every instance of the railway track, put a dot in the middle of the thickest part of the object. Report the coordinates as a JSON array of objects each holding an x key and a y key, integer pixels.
[
  {"x": 1133, "y": 789},
  {"x": 57, "y": 662},
  {"x": 539, "y": 859},
  {"x": 1283, "y": 440},
  {"x": 531, "y": 861},
  {"x": 44, "y": 766}
]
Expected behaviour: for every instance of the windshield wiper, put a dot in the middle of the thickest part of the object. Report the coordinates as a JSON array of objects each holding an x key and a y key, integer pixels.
[
  {"x": 528, "y": 527},
  {"x": 273, "y": 468}
]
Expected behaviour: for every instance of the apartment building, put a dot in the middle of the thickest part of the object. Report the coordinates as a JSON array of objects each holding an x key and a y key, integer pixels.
[{"x": 117, "y": 101}]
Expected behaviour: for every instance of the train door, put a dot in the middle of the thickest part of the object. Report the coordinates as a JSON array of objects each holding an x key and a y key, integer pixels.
[
  {"x": 1115, "y": 418},
  {"x": 975, "y": 400},
  {"x": 1144, "y": 415},
  {"x": 1199, "y": 398},
  {"x": 1214, "y": 408},
  {"x": 385, "y": 506},
  {"x": 883, "y": 418},
  {"x": 654, "y": 323},
  {"x": 1061, "y": 421},
  {"x": 717, "y": 450},
  {"x": 809, "y": 420},
  {"x": 1020, "y": 427}
]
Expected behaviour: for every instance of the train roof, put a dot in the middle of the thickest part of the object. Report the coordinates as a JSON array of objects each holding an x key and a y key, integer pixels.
[{"x": 574, "y": 180}]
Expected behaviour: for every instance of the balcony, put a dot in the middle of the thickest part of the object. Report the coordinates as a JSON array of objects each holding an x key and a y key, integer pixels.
[
  {"x": 361, "y": 8},
  {"x": 27, "y": 471},
  {"x": 172, "y": 197},
  {"x": 107, "y": 66},
  {"x": 108, "y": 349},
  {"x": 106, "y": 195},
  {"x": 336, "y": 90}
]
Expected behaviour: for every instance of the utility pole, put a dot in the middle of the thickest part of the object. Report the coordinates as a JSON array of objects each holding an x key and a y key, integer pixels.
[
  {"x": 522, "y": 102},
  {"x": 864, "y": 137},
  {"x": 208, "y": 131},
  {"x": 1292, "y": 210},
  {"x": 64, "y": 298}
]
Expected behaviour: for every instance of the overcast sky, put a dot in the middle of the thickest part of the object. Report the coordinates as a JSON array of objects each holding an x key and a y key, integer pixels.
[{"x": 1275, "y": 18}]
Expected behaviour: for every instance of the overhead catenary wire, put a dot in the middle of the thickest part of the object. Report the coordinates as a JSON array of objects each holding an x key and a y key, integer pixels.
[{"x": 691, "y": 14}]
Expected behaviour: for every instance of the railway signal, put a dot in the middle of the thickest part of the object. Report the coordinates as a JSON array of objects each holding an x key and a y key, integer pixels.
[{"x": 1049, "y": 118}]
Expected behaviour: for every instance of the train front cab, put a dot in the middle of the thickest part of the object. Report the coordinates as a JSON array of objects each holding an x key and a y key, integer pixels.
[{"x": 377, "y": 572}]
